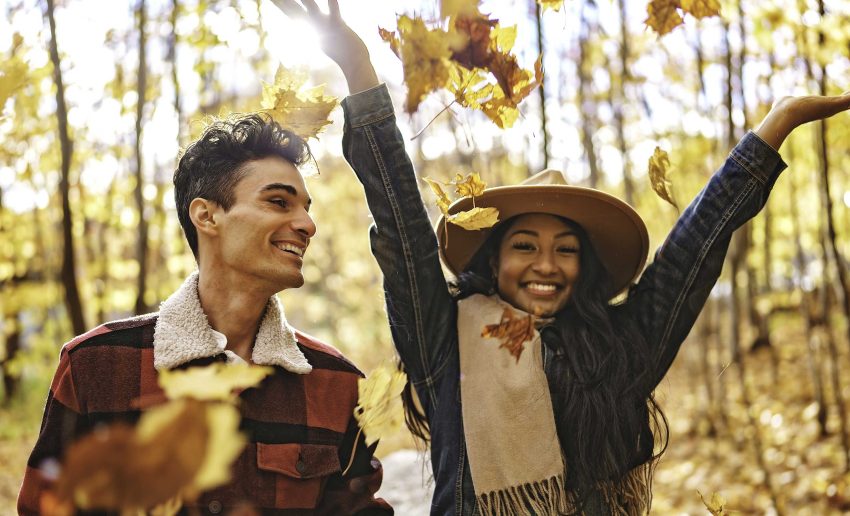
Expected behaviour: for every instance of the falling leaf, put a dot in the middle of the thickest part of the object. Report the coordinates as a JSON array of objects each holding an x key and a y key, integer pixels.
[
  {"x": 659, "y": 164},
  {"x": 449, "y": 8},
  {"x": 119, "y": 467},
  {"x": 716, "y": 506},
  {"x": 663, "y": 16},
  {"x": 443, "y": 202},
  {"x": 514, "y": 332},
  {"x": 213, "y": 382},
  {"x": 551, "y": 4},
  {"x": 224, "y": 445},
  {"x": 701, "y": 8},
  {"x": 470, "y": 185},
  {"x": 476, "y": 218},
  {"x": 304, "y": 111},
  {"x": 470, "y": 40},
  {"x": 391, "y": 38},
  {"x": 379, "y": 410},
  {"x": 424, "y": 57}
]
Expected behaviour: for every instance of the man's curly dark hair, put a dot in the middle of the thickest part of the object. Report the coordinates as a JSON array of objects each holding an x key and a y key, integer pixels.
[{"x": 211, "y": 166}]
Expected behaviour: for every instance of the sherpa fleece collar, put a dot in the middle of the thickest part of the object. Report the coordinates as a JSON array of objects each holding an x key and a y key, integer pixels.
[{"x": 182, "y": 334}]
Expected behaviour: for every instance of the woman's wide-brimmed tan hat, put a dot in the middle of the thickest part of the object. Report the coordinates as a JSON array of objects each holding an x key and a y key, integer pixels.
[{"x": 615, "y": 229}]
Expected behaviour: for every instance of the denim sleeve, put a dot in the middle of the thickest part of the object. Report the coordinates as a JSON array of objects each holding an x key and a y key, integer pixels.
[
  {"x": 419, "y": 307},
  {"x": 673, "y": 289}
]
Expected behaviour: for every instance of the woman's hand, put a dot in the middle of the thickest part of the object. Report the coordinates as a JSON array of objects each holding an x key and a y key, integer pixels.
[
  {"x": 791, "y": 112},
  {"x": 339, "y": 42}
]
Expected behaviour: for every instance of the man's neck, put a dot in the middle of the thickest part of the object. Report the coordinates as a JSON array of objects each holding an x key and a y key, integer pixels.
[{"x": 233, "y": 311}]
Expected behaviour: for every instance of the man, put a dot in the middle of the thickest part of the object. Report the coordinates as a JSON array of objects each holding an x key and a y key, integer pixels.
[{"x": 244, "y": 209}]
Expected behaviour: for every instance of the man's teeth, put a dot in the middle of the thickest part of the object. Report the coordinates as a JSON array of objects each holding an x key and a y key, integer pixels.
[
  {"x": 541, "y": 287},
  {"x": 291, "y": 248}
]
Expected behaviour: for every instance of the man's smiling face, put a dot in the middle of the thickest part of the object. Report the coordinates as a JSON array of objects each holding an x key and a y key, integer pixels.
[{"x": 265, "y": 233}]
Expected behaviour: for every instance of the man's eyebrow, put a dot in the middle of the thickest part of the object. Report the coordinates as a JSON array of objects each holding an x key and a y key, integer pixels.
[{"x": 291, "y": 190}]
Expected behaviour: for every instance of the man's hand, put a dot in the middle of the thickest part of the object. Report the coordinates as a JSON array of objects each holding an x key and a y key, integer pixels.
[
  {"x": 792, "y": 112},
  {"x": 339, "y": 42}
]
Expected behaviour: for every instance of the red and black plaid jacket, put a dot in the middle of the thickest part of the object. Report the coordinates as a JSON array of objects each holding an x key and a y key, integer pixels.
[{"x": 300, "y": 428}]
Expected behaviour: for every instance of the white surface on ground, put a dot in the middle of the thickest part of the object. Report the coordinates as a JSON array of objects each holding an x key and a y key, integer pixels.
[{"x": 407, "y": 484}]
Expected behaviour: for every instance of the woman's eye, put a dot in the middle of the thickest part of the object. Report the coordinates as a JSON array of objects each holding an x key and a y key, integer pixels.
[
  {"x": 568, "y": 250},
  {"x": 523, "y": 246}
]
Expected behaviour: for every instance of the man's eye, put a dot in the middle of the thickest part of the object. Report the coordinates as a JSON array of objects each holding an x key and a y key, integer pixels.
[{"x": 279, "y": 202}]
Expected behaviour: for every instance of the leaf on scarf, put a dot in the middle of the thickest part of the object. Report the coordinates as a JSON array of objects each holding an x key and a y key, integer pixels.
[
  {"x": 213, "y": 382},
  {"x": 304, "y": 111},
  {"x": 513, "y": 331},
  {"x": 476, "y": 218},
  {"x": 551, "y": 4},
  {"x": 469, "y": 185},
  {"x": 716, "y": 505},
  {"x": 379, "y": 409},
  {"x": 443, "y": 200},
  {"x": 122, "y": 468},
  {"x": 701, "y": 8},
  {"x": 659, "y": 165},
  {"x": 663, "y": 16}
]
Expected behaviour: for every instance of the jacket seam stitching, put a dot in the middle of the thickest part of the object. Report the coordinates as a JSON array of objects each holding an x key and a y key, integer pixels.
[
  {"x": 746, "y": 166},
  {"x": 727, "y": 216},
  {"x": 406, "y": 251},
  {"x": 371, "y": 121}
]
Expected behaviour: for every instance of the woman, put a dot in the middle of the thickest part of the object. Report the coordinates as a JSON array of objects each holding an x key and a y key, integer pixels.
[{"x": 536, "y": 393}]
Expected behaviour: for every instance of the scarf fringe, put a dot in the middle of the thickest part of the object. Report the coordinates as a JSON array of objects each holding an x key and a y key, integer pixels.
[
  {"x": 630, "y": 496},
  {"x": 544, "y": 497}
]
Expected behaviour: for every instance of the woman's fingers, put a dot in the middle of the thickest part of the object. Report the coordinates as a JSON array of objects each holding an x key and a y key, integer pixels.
[
  {"x": 291, "y": 8},
  {"x": 333, "y": 8}
]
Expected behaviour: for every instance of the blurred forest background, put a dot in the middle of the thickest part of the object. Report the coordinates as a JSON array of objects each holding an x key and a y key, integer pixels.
[{"x": 98, "y": 96}]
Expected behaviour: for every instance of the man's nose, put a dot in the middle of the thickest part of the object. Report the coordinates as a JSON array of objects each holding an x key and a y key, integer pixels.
[{"x": 304, "y": 224}]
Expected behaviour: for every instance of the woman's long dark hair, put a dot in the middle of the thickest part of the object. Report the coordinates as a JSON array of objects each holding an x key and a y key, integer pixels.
[{"x": 600, "y": 375}]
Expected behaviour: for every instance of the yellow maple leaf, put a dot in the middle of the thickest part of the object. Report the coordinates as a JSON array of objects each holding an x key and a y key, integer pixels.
[
  {"x": 551, "y": 4},
  {"x": 424, "y": 57},
  {"x": 470, "y": 185},
  {"x": 449, "y": 8},
  {"x": 379, "y": 408},
  {"x": 716, "y": 505},
  {"x": 443, "y": 200},
  {"x": 300, "y": 109},
  {"x": 476, "y": 218},
  {"x": 514, "y": 85},
  {"x": 224, "y": 444},
  {"x": 659, "y": 164},
  {"x": 701, "y": 8},
  {"x": 663, "y": 16},
  {"x": 213, "y": 382}
]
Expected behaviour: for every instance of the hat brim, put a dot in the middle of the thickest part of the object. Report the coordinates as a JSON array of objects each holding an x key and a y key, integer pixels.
[{"x": 616, "y": 231}]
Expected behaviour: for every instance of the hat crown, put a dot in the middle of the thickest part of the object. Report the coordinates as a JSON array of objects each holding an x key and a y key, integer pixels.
[{"x": 550, "y": 176}]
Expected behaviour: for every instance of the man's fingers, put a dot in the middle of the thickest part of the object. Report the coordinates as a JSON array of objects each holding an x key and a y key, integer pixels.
[{"x": 290, "y": 8}]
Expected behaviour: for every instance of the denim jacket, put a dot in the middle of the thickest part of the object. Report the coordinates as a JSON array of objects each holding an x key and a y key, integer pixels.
[{"x": 422, "y": 314}]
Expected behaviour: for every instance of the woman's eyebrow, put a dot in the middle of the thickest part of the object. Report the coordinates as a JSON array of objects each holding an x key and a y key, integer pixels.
[{"x": 531, "y": 232}]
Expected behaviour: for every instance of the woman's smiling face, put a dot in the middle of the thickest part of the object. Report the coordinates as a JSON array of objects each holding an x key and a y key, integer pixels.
[{"x": 538, "y": 264}]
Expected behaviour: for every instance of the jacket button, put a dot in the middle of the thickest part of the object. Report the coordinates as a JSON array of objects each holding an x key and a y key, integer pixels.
[
  {"x": 215, "y": 507},
  {"x": 300, "y": 467}
]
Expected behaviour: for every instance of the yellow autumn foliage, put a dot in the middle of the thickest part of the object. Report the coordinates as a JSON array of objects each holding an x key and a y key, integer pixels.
[
  {"x": 303, "y": 110},
  {"x": 379, "y": 408}
]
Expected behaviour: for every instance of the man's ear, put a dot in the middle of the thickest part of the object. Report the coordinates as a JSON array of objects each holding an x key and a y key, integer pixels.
[{"x": 203, "y": 213}]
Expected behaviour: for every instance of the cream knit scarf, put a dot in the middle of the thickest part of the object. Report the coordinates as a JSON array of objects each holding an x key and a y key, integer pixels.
[
  {"x": 515, "y": 457},
  {"x": 511, "y": 440}
]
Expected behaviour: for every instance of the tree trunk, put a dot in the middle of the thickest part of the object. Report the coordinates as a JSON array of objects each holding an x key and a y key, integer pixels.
[
  {"x": 586, "y": 104},
  {"x": 541, "y": 91},
  {"x": 69, "y": 269},
  {"x": 142, "y": 244},
  {"x": 619, "y": 105},
  {"x": 172, "y": 58}
]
